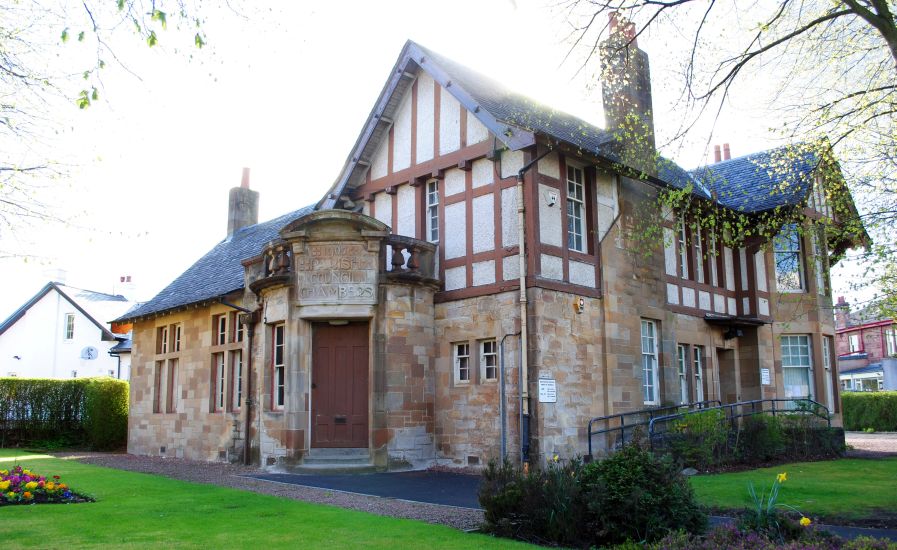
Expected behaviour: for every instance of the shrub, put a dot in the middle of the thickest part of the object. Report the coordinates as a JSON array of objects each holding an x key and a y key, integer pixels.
[
  {"x": 637, "y": 495},
  {"x": 760, "y": 439},
  {"x": 700, "y": 439},
  {"x": 876, "y": 410},
  {"x": 84, "y": 411}
]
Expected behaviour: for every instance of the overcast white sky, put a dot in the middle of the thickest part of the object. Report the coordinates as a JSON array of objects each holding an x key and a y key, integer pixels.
[{"x": 285, "y": 92}]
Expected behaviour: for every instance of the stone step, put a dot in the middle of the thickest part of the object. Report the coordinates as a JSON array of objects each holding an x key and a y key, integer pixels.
[
  {"x": 339, "y": 454},
  {"x": 328, "y": 469},
  {"x": 336, "y": 461}
]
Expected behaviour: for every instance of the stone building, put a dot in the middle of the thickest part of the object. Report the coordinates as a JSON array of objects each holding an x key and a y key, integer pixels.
[{"x": 387, "y": 320}]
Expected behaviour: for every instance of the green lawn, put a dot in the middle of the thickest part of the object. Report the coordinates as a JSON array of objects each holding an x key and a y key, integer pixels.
[
  {"x": 138, "y": 510},
  {"x": 846, "y": 488}
]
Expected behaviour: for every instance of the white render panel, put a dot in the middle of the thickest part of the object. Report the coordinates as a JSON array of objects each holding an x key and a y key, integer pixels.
[
  {"x": 552, "y": 267},
  {"x": 760, "y": 274},
  {"x": 406, "y": 196},
  {"x": 550, "y": 230},
  {"x": 401, "y": 136},
  {"x": 704, "y": 300},
  {"x": 476, "y": 132},
  {"x": 483, "y": 225},
  {"x": 454, "y": 182},
  {"x": 483, "y": 172},
  {"x": 729, "y": 266},
  {"x": 509, "y": 217},
  {"x": 582, "y": 274},
  {"x": 455, "y": 278},
  {"x": 426, "y": 118},
  {"x": 672, "y": 294},
  {"x": 719, "y": 303},
  {"x": 763, "y": 306},
  {"x": 511, "y": 163},
  {"x": 383, "y": 208},
  {"x": 484, "y": 273},
  {"x": 449, "y": 123},
  {"x": 510, "y": 267},
  {"x": 550, "y": 166},
  {"x": 714, "y": 276},
  {"x": 731, "y": 303},
  {"x": 746, "y": 305},
  {"x": 742, "y": 255},
  {"x": 366, "y": 208},
  {"x": 688, "y": 297},
  {"x": 379, "y": 164},
  {"x": 455, "y": 237},
  {"x": 669, "y": 251}
]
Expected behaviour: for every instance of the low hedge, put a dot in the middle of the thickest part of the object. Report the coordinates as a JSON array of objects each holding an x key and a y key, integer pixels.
[
  {"x": 875, "y": 410},
  {"x": 90, "y": 412}
]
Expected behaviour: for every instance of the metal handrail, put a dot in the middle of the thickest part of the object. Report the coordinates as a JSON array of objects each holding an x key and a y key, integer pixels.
[
  {"x": 650, "y": 412},
  {"x": 728, "y": 410}
]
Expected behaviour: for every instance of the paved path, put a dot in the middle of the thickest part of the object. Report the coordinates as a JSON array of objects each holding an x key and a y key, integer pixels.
[
  {"x": 448, "y": 489},
  {"x": 871, "y": 445}
]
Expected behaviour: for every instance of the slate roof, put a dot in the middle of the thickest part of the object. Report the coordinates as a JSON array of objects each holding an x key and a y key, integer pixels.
[
  {"x": 761, "y": 181},
  {"x": 873, "y": 368},
  {"x": 219, "y": 271}
]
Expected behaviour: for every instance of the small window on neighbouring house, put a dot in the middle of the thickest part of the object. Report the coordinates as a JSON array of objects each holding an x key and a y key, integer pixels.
[
  {"x": 853, "y": 341},
  {"x": 890, "y": 342},
  {"x": 69, "y": 326},
  {"x": 789, "y": 261},
  {"x": 433, "y": 211},
  {"x": 489, "y": 359},
  {"x": 575, "y": 209},
  {"x": 74, "y": 374},
  {"x": 462, "y": 363}
]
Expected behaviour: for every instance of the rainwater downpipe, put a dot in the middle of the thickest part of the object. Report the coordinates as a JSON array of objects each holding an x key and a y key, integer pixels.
[
  {"x": 502, "y": 406},
  {"x": 524, "y": 367}
]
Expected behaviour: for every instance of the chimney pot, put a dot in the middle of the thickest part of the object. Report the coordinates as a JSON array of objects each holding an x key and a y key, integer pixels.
[
  {"x": 716, "y": 154},
  {"x": 841, "y": 301},
  {"x": 726, "y": 153},
  {"x": 243, "y": 206},
  {"x": 245, "y": 182},
  {"x": 629, "y": 32},
  {"x": 613, "y": 21}
]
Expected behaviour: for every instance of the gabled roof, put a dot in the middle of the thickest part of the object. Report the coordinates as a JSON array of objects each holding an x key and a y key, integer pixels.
[
  {"x": 513, "y": 118},
  {"x": 73, "y": 295},
  {"x": 761, "y": 181},
  {"x": 219, "y": 272}
]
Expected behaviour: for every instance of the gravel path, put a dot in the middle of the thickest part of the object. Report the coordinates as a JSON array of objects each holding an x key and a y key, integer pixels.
[
  {"x": 227, "y": 475},
  {"x": 872, "y": 445}
]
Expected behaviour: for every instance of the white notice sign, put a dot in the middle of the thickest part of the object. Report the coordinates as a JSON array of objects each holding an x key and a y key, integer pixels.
[
  {"x": 764, "y": 377},
  {"x": 548, "y": 390}
]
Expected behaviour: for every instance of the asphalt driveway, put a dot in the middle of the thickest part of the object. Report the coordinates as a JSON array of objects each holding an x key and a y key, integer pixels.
[{"x": 444, "y": 488}]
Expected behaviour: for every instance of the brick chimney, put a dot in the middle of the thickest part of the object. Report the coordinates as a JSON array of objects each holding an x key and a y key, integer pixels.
[
  {"x": 716, "y": 154},
  {"x": 726, "y": 153},
  {"x": 842, "y": 313},
  {"x": 626, "y": 94},
  {"x": 243, "y": 206}
]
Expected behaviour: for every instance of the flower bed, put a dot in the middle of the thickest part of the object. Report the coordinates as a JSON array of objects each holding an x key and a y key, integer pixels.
[{"x": 22, "y": 486}]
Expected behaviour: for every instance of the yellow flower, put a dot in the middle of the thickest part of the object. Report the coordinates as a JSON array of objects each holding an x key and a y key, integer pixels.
[
  {"x": 4, "y": 472},
  {"x": 26, "y": 472},
  {"x": 805, "y": 521},
  {"x": 10, "y": 495},
  {"x": 782, "y": 478},
  {"x": 31, "y": 485},
  {"x": 4, "y": 485},
  {"x": 49, "y": 486},
  {"x": 556, "y": 458}
]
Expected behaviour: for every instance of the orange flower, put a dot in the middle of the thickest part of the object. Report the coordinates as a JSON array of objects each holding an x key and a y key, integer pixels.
[{"x": 27, "y": 495}]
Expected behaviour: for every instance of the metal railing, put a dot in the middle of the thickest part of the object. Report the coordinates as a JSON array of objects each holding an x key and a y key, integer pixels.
[
  {"x": 615, "y": 435},
  {"x": 659, "y": 426}
]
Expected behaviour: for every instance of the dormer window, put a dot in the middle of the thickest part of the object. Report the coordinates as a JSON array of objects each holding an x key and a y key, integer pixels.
[
  {"x": 575, "y": 209},
  {"x": 790, "y": 276}
]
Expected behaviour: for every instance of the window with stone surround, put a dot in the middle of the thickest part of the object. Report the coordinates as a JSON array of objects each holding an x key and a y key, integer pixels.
[
  {"x": 461, "y": 360},
  {"x": 219, "y": 379},
  {"x": 796, "y": 366},
  {"x": 278, "y": 366},
  {"x": 650, "y": 382},
  {"x": 236, "y": 379},
  {"x": 489, "y": 359},
  {"x": 576, "y": 209},
  {"x": 682, "y": 364},
  {"x": 69, "y": 326},
  {"x": 171, "y": 386},
  {"x": 827, "y": 366},
  {"x": 433, "y": 211},
  {"x": 696, "y": 237},
  {"x": 683, "y": 249},
  {"x": 162, "y": 339},
  {"x": 177, "y": 337},
  {"x": 236, "y": 326},
  {"x": 158, "y": 377},
  {"x": 219, "y": 329},
  {"x": 698, "y": 369}
]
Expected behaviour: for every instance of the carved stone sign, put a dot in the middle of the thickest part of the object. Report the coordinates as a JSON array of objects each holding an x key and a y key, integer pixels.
[{"x": 337, "y": 273}]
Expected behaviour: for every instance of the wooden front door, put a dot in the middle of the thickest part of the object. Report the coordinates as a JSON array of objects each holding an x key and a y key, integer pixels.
[{"x": 339, "y": 385}]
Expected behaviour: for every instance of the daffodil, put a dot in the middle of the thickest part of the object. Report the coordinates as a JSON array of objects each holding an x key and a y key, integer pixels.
[
  {"x": 782, "y": 478},
  {"x": 805, "y": 521},
  {"x": 556, "y": 458}
]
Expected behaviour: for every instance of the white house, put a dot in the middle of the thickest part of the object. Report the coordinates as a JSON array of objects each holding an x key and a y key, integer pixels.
[{"x": 62, "y": 332}]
